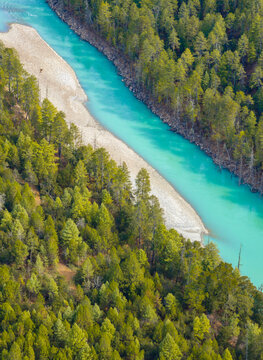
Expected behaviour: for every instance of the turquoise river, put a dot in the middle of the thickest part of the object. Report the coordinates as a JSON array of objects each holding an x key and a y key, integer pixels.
[{"x": 232, "y": 213}]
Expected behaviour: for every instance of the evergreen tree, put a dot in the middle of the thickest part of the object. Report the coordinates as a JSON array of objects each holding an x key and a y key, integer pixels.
[
  {"x": 169, "y": 350},
  {"x": 71, "y": 240}
]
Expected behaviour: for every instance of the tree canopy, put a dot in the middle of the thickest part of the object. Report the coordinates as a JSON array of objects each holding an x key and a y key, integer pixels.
[
  {"x": 200, "y": 60},
  {"x": 88, "y": 269}
]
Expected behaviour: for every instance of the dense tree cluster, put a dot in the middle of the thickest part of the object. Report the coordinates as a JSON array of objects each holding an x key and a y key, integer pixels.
[
  {"x": 201, "y": 59},
  {"x": 88, "y": 269}
]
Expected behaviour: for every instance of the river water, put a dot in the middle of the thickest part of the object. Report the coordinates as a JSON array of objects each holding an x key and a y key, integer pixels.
[{"x": 232, "y": 213}]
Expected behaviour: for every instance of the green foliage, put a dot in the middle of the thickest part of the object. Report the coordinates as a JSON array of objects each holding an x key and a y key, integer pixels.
[
  {"x": 194, "y": 57},
  {"x": 88, "y": 269},
  {"x": 201, "y": 327},
  {"x": 169, "y": 350},
  {"x": 71, "y": 241}
]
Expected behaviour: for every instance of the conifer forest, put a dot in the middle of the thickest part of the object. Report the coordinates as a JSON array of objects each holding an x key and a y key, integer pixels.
[{"x": 88, "y": 269}]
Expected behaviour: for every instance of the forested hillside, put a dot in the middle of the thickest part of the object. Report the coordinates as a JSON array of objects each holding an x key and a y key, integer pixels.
[
  {"x": 88, "y": 269},
  {"x": 202, "y": 62}
]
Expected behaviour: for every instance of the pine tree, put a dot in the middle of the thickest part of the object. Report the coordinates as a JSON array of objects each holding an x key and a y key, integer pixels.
[
  {"x": 201, "y": 327},
  {"x": 174, "y": 41},
  {"x": 169, "y": 350},
  {"x": 71, "y": 240},
  {"x": 80, "y": 175},
  {"x": 171, "y": 306},
  {"x": 33, "y": 284},
  {"x": 77, "y": 339},
  {"x": 60, "y": 333},
  {"x": 227, "y": 355},
  {"x": 104, "y": 18},
  {"x": 48, "y": 116},
  {"x": 19, "y": 252},
  {"x": 15, "y": 352},
  {"x": 143, "y": 186}
]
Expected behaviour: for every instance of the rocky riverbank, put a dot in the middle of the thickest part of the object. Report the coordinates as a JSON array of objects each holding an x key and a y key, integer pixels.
[{"x": 217, "y": 152}]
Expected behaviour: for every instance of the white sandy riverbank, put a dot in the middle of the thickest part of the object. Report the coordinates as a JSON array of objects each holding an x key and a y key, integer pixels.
[{"x": 58, "y": 80}]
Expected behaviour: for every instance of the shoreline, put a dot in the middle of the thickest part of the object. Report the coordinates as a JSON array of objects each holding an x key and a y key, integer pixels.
[
  {"x": 218, "y": 152},
  {"x": 58, "y": 80}
]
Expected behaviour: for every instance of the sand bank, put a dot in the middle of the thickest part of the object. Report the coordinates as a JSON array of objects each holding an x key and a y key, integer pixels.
[{"x": 58, "y": 81}]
